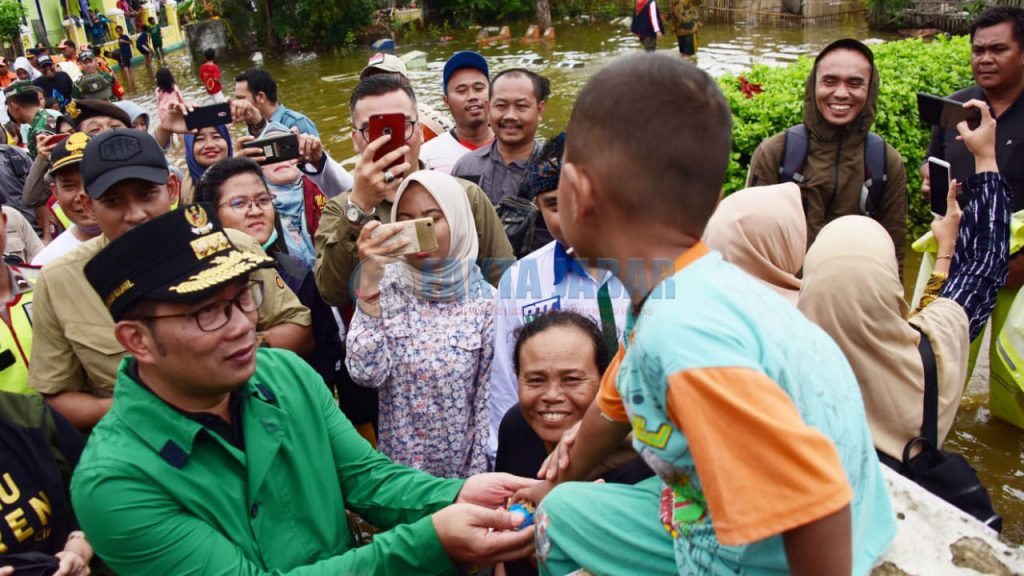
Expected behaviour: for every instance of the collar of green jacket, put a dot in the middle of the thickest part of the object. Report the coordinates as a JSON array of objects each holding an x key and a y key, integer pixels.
[
  {"x": 823, "y": 130},
  {"x": 172, "y": 434}
]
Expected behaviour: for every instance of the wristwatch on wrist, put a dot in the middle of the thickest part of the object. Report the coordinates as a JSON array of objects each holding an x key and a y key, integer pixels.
[{"x": 355, "y": 214}]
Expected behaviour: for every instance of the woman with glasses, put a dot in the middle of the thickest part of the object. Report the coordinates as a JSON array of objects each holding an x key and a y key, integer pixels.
[{"x": 236, "y": 187}]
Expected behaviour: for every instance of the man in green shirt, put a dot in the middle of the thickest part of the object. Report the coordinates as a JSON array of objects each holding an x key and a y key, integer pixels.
[
  {"x": 218, "y": 456},
  {"x": 25, "y": 106}
]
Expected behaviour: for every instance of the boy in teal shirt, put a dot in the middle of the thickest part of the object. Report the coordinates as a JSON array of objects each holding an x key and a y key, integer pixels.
[{"x": 749, "y": 414}]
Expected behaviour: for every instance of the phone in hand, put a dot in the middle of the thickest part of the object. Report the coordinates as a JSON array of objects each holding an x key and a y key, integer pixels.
[
  {"x": 276, "y": 148},
  {"x": 206, "y": 116},
  {"x": 419, "y": 235},
  {"x": 394, "y": 125},
  {"x": 55, "y": 139},
  {"x": 939, "y": 111},
  {"x": 938, "y": 179}
]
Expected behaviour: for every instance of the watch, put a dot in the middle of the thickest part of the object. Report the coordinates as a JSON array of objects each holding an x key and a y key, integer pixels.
[{"x": 355, "y": 214}]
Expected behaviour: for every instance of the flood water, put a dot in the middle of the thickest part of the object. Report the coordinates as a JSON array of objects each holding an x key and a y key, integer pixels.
[{"x": 319, "y": 86}]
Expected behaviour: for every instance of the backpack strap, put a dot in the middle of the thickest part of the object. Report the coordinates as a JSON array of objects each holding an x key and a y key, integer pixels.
[
  {"x": 929, "y": 422},
  {"x": 874, "y": 174},
  {"x": 794, "y": 155}
]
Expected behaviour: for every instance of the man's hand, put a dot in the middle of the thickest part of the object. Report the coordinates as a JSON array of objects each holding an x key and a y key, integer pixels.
[
  {"x": 71, "y": 564},
  {"x": 371, "y": 182},
  {"x": 982, "y": 140},
  {"x": 476, "y": 535},
  {"x": 244, "y": 111},
  {"x": 42, "y": 148},
  {"x": 491, "y": 490}
]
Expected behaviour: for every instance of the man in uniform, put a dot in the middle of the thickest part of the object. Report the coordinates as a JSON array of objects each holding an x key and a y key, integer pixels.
[
  {"x": 68, "y": 209},
  {"x": 199, "y": 404},
  {"x": 16, "y": 328},
  {"x": 25, "y": 106},
  {"x": 75, "y": 355}
]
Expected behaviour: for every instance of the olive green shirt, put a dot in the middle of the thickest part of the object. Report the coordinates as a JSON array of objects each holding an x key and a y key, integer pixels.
[
  {"x": 337, "y": 255},
  {"x": 157, "y": 493},
  {"x": 74, "y": 348}
]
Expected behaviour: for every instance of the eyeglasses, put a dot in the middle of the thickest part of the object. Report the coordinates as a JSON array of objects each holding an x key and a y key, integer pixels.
[
  {"x": 410, "y": 127},
  {"x": 241, "y": 204},
  {"x": 215, "y": 316}
]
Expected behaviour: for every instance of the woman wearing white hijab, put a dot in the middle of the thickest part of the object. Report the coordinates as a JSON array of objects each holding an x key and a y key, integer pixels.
[
  {"x": 851, "y": 288},
  {"x": 423, "y": 332},
  {"x": 28, "y": 71},
  {"x": 763, "y": 231}
]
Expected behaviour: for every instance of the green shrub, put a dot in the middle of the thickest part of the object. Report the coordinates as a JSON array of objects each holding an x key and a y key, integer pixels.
[
  {"x": 11, "y": 13},
  {"x": 906, "y": 68}
]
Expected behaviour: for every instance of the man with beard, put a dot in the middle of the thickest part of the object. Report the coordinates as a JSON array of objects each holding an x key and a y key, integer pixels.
[
  {"x": 465, "y": 84},
  {"x": 516, "y": 107}
]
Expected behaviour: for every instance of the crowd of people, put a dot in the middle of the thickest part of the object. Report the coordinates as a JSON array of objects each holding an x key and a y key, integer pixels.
[{"x": 280, "y": 365}]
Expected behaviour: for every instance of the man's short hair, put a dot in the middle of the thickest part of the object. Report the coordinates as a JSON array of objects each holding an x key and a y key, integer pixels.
[
  {"x": 655, "y": 133},
  {"x": 997, "y": 15},
  {"x": 377, "y": 85},
  {"x": 259, "y": 80},
  {"x": 215, "y": 176},
  {"x": 541, "y": 86},
  {"x": 30, "y": 98}
]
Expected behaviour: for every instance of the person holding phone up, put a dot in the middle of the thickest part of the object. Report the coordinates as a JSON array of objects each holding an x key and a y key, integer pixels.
[{"x": 851, "y": 289}]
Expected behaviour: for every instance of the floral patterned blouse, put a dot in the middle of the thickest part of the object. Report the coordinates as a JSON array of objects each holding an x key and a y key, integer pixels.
[{"x": 431, "y": 362}]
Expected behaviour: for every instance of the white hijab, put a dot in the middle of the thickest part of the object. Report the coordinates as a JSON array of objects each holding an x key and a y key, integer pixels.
[
  {"x": 22, "y": 63},
  {"x": 459, "y": 273}
]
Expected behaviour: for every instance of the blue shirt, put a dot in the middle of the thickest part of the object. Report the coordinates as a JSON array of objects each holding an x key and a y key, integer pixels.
[{"x": 293, "y": 119}]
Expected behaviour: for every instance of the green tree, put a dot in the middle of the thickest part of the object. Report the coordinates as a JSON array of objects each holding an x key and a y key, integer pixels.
[{"x": 12, "y": 14}]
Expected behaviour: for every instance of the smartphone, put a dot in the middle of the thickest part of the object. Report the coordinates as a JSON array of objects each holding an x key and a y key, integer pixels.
[
  {"x": 276, "y": 148},
  {"x": 56, "y": 139},
  {"x": 939, "y": 111},
  {"x": 938, "y": 179},
  {"x": 419, "y": 235},
  {"x": 393, "y": 124},
  {"x": 206, "y": 116}
]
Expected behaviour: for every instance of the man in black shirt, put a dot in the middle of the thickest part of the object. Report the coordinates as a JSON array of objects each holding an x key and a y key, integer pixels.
[{"x": 55, "y": 83}]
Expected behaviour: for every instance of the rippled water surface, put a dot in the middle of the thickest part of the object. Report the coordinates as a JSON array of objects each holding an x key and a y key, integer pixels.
[{"x": 320, "y": 86}]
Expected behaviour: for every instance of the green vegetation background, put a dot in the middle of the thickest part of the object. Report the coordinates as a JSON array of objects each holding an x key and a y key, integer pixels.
[{"x": 906, "y": 67}]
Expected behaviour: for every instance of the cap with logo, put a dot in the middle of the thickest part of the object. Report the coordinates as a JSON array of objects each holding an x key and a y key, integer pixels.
[
  {"x": 81, "y": 110},
  {"x": 122, "y": 154},
  {"x": 181, "y": 256},
  {"x": 86, "y": 55},
  {"x": 44, "y": 61},
  {"x": 19, "y": 87},
  {"x": 68, "y": 152},
  {"x": 381, "y": 62},
  {"x": 460, "y": 60}
]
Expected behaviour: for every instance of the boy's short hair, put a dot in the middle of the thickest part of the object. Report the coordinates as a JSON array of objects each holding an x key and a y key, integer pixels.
[
  {"x": 209, "y": 54},
  {"x": 655, "y": 132},
  {"x": 541, "y": 86}
]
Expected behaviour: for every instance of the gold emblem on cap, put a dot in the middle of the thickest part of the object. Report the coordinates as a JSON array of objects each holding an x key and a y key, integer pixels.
[
  {"x": 118, "y": 292},
  {"x": 206, "y": 246},
  {"x": 224, "y": 269},
  {"x": 72, "y": 110},
  {"x": 196, "y": 216}
]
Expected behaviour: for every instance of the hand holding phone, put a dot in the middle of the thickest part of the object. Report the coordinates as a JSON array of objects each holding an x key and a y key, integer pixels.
[
  {"x": 939, "y": 111},
  {"x": 392, "y": 125},
  {"x": 419, "y": 236},
  {"x": 206, "y": 116},
  {"x": 276, "y": 148},
  {"x": 938, "y": 178}
]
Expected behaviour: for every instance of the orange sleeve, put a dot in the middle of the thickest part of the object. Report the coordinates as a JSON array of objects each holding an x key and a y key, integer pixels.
[
  {"x": 608, "y": 399},
  {"x": 763, "y": 471}
]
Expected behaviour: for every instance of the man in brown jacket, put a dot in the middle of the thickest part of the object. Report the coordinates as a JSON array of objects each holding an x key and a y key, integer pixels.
[
  {"x": 374, "y": 189},
  {"x": 840, "y": 104}
]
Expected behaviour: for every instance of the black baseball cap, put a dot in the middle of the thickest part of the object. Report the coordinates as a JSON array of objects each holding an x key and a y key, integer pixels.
[
  {"x": 181, "y": 256},
  {"x": 121, "y": 154},
  {"x": 44, "y": 61}
]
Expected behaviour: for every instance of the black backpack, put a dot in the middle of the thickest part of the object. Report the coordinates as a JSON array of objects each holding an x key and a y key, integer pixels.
[{"x": 794, "y": 156}]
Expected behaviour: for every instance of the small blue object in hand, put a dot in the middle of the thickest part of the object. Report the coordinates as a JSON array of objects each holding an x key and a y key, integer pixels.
[{"x": 527, "y": 513}]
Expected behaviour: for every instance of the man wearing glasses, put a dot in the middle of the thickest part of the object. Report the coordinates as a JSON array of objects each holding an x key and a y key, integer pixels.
[
  {"x": 74, "y": 354},
  {"x": 374, "y": 189},
  {"x": 219, "y": 457}
]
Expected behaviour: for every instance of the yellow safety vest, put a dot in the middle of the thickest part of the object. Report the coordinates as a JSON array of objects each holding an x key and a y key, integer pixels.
[{"x": 16, "y": 340}]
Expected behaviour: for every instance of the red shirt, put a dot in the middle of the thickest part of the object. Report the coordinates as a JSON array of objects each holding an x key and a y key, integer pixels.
[{"x": 209, "y": 74}]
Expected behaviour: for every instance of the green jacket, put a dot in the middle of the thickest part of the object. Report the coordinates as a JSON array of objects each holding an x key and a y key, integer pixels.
[{"x": 158, "y": 494}]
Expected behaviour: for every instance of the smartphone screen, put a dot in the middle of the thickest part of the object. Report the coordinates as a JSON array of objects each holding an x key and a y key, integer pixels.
[
  {"x": 419, "y": 236},
  {"x": 944, "y": 112},
  {"x": 938, "y": 179},
  {"x": 206, "y": 116},
  {"x": 393, "y": 124}
]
